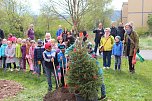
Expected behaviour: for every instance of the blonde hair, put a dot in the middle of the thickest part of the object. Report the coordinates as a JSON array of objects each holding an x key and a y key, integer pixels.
[{"x": 107, "y": 29}]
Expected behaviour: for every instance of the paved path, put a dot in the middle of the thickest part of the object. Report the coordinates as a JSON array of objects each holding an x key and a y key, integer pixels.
[{"x": 146, "y": 54}]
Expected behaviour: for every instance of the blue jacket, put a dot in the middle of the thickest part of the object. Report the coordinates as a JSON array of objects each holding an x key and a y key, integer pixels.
[
  {"x": 38, "y": 53},
  {"x": 60, "y": 54},
  {"x": 59, "y": 32},
  {"x": 2, "y": 50},
  {"x": 117, "y": 49}
]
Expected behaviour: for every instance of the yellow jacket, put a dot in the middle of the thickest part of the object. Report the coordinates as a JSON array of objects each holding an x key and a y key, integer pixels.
[{"x": 109, "y": 44}]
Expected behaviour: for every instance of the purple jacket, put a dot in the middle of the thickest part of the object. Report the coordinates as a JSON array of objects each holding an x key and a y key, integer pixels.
[
  {"x": 23, "y": 50},
  {"x": 31, "y": 34}
]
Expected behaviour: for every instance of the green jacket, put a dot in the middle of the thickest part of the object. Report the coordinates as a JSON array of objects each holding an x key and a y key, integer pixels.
[
  {"x": 18, "y": 52},
  {"x": 134, "y": 44}
]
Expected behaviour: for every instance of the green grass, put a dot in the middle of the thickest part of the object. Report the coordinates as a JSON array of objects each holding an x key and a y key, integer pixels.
[
  {"x": 124, "y": 86},
  {"x": 120, "y": 86},
  {"x": 145, "y": 43},
  {"x": 34, "y": 88}
]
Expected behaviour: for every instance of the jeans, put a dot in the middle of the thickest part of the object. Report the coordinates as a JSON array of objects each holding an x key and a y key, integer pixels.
[
  {"x": 117, "y": 62},
  {"x": 103, "y": 88},
  {"x": 131, "y": 66},
  {"x": 38, "y": 67},
  {"x": 4, "y": 62},
  {"x": 96, "y": 47},
  {"x": 49, "y": 69},
  {"x": 107, "y": 58}
]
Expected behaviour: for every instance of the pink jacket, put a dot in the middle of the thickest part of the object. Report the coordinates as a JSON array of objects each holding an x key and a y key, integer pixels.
[{"x": 31, "y": 52}]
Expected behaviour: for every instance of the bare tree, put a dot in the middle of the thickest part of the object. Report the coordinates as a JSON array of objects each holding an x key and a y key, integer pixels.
[{"x": 74, "y": 9}]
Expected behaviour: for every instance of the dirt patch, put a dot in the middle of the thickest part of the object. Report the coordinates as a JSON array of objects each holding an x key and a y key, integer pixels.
[
  {"x": 61, "y": 94},
  {"x": 9, "y": 89}
]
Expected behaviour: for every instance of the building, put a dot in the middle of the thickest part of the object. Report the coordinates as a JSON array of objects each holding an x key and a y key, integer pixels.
[{"x": 136, "y": 11}]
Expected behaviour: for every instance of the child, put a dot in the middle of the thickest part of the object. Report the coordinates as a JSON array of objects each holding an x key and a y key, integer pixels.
[
  {"x": 23, "y": 50},
  {"x": 60, "y": 40},
  {"x": 62, "y": 63},
  {"x": 70, "y": 39},
  {"x": 28, "y": 45},
  {"x": 47, "y": 38},
  {"x": 49, "y": 55},
  {"x": 117, "y": 52},
  {"x": 10, "y": 55},
  {"x": 31, "y": 55},
  {"x": 54, "y": 46},
  {"x": 2, "y": 54},
  {"x": 38, "y": 57},
  {"x": 18, "y": 54}
]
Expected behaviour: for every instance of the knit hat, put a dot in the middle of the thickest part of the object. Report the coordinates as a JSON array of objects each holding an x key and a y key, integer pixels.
[
  {"x": 39, "y": 41},
  {"x": 48, "y": 45},
  {"x": 118, "y": 37}
]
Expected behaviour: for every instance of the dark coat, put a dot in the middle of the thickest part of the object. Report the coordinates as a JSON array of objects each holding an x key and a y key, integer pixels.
[
  {"x": 23, "y": 50},
  {"x": 121, "y": 32},
  {"x": 38, "y": 53},
  {"x": 135, "y": 45},
  {"x": 64, "y": 36},
  {"x": 113, "y": 31},
  {"x": 31, "y": 34},
  {"x": 1, "y": 34},
  {"x": 98, "y": 35}
]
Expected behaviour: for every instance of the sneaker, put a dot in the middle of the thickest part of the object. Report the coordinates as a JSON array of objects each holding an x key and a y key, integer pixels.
[
  {"x": 17, "y": 69},
  {"x": 108, "y": 67},
  {"x": 11, "y": 69},
  {"x": 104, "y": 67},
  {"x": 102, "y": 97}
]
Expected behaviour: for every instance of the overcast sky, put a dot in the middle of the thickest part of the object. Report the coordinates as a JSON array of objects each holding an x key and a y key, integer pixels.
[{"x": 116, "y": 4}]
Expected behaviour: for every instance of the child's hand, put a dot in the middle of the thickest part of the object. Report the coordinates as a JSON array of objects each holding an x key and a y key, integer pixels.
[
  {"x": 52, "y": 59},
  {"x": 61, "y": 58}
]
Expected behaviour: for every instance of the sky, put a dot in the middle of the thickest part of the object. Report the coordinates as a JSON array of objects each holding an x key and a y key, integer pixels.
[{"x": 35, "y": 4}]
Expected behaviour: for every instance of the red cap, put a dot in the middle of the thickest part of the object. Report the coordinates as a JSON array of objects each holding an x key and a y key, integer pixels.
[{"x": 48, "y": 45}]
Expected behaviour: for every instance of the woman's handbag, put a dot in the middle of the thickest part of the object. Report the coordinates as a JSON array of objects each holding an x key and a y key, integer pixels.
[{"x": 101, "y": 49}]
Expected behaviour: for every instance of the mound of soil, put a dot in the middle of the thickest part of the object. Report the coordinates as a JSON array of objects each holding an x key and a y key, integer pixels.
[
  {"x": 9, "y": 89},
  {"x": 61, "y": 94}
]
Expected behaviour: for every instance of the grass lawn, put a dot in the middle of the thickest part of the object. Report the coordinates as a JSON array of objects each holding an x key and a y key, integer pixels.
[
  {"x": 120, "y": 86},
  {"x": 145, "y": 43}
]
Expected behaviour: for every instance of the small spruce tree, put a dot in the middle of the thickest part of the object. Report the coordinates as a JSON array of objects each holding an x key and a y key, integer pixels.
[{"x": 83, "y": 74}]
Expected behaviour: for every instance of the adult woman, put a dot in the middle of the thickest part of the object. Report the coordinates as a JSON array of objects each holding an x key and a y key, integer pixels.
[
  {"x": 131, "y": 45},
  {"x": 107, "y": 43},
  {"x": 30, "y": 33}
]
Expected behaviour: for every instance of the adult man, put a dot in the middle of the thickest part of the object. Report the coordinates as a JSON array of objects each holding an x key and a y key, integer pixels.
[
  {"x": 121, "y": 31},
  {"x": 113, "y": 30},
  {"x": 98, "y": 34}
]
